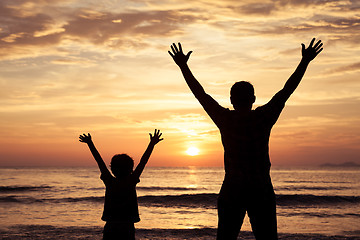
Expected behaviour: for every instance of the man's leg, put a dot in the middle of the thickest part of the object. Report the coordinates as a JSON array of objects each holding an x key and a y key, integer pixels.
[
  {"x": 230, "y": 218},
  {"x": 116, "y": 230},
  {"x": 262, "y": 215}
]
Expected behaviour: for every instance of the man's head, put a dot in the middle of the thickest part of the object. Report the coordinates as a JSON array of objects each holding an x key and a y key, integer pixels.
[
  {"x": 121, "y": 165},
  {"x": 242, "y": 96}
]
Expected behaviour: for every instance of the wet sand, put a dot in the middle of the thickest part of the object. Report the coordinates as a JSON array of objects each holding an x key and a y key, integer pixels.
[{"x": 94, "y": 233}]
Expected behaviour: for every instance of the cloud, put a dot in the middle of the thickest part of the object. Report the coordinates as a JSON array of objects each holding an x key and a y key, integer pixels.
[
  {"x": 257, "y": 8},
  {"x": 27, "y": 26},
  {"x": 309, "y": 3},
  {"x": 350, "y": 68},
  {"x": 23, "y": 27},
  {"x": 17, "y": 31},
  {"x": 108, "y": 26},
  {"x": 317, "y": 24},
  {"x": 22, "y": 33}
]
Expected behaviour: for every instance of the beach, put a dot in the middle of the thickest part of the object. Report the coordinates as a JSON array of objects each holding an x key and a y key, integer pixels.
[
  {"x": 82, "y": 233},
  {"x": 67, "y": 203}
]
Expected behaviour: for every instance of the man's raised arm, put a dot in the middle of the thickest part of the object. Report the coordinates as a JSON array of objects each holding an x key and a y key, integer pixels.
[
  {"x": 181, "y": 60},
  {"x": 308, "y": 54}
]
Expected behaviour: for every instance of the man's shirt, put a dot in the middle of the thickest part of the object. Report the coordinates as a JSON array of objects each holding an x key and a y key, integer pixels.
[{"x": 245, "y": 138}]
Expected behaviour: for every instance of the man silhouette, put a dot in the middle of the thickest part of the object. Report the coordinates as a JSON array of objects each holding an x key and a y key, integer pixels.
[{"x": 245, "y": 133}]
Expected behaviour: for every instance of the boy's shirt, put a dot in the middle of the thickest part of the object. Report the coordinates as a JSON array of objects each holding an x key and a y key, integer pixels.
[{"x": 120, "y": 199}]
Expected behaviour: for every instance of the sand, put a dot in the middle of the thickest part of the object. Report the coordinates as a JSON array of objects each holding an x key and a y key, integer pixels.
[{"x": 94, "y": 233}]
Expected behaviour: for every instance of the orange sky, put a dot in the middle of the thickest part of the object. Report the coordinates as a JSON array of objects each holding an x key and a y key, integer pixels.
[{"x": 72, "y": 66}]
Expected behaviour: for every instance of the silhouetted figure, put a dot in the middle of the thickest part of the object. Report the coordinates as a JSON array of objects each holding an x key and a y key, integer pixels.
[
  {"x": 121, "y": 207},
  {"x": 245, "y": 133}
]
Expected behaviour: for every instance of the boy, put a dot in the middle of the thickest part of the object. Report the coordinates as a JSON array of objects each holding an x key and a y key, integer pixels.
[
  {"x": 245, "y": 136},
  {"x": 121, "y": 207}
]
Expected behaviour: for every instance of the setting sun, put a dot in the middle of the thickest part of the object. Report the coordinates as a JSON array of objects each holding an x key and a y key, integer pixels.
[{"x": 192, "y": 151}]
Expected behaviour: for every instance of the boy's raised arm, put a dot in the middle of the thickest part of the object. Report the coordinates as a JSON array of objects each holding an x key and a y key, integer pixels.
[
  {"x": 154, "y": 139},
  {"x": 308, "y": 54},
  {"x": 87, "y": 139}
]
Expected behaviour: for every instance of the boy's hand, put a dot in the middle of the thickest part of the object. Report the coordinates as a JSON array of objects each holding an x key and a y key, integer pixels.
[
  {"x": 177, "y": 54},
  {"x": 312, "y": 51},
  {"x": 85, "y": 138},
  {"x": 156, "y": 138}
]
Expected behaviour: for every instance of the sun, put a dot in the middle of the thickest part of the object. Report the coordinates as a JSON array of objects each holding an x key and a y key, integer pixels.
[{"x": 192, "y": 151}]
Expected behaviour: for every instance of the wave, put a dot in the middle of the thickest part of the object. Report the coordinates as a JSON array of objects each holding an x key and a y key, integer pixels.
[
  {"x": 203, "y": 200},
  {"x": 300, "y": 188},
  {"x": 311, "y": 181},
  {"x": 309, "y": 199},
  {"x": 29, "y": 200},
  {"x": 210, "y": 200},
  {"x": 5, "y": 189},
  {"x": 80, "y": 199},
  {"x": 160, "y": 188},
  {"x": 17, "y": 199},
  {"x": 318, "y": 214},
  {"x": 169, "y": 188}
]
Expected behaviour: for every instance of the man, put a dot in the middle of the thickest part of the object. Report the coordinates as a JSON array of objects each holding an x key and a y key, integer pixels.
[{"x": 245, "y": 136}]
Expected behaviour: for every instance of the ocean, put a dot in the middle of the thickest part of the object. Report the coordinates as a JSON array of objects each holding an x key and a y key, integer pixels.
[{"x": 67, "y": 203}]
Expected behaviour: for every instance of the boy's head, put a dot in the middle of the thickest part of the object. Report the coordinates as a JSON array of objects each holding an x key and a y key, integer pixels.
[
  {"x": 242, "y": 95},
  {"x": 121, "y": 165}
]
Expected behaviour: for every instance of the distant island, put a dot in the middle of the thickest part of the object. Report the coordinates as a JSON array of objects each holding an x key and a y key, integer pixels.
[{"x": 345, "y": 164}]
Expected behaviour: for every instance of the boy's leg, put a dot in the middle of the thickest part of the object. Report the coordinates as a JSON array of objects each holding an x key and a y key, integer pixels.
[
  {"x": 262, "y": 215},
  {"x": 230, "y": 218}
]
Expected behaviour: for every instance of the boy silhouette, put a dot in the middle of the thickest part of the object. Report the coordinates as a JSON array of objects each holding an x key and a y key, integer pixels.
[
  {"x": 121, "y": 207},
  {"x": 245, "y": 133}
]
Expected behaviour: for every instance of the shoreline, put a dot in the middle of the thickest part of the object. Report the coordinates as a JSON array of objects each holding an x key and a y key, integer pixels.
[{"x": 17, "y": 232}]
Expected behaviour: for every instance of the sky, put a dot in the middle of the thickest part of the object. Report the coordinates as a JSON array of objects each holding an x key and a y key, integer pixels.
[{"x": 102, "y": 67}]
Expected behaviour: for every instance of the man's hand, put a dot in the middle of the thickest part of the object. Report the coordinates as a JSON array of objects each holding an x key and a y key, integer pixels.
[
  {"x": 312, "y": 51},
  {"x": 177, "y": 54},
  {"x": 156, "y": 138},
  {"x": 85, "y": 138}
]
